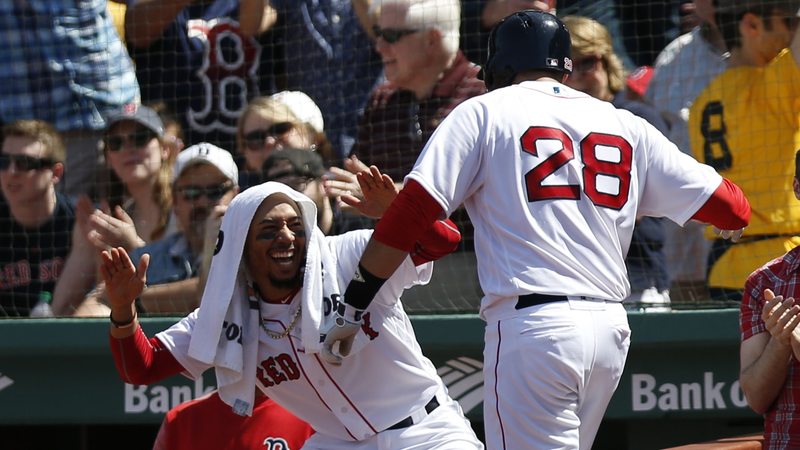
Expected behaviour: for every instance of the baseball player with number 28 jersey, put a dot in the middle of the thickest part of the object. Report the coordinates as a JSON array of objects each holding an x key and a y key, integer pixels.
[{"x": 553, "y": 181}]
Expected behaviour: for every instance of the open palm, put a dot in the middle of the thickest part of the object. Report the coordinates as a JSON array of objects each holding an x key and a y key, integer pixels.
[
  {"x": 124, "y": 283},
  {"x": 379, "y": 192}
]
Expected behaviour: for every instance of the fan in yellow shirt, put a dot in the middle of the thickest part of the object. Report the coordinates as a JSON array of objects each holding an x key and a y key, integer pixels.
[{"x": 746, "y": 124}]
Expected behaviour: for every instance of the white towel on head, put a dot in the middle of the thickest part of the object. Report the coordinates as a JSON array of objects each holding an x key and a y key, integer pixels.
[{"x": 226, "y": 302}]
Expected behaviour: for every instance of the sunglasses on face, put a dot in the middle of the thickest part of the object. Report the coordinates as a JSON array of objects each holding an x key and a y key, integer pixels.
[
  {"x": 24, "y": 163},
  {"x": 587, "y": 64},
  {"x": 139, "y": 139},
  {"x": 213, "y": 193},
  {"x": 255, "y": 140},
  {"x": 391, "y": 35}
]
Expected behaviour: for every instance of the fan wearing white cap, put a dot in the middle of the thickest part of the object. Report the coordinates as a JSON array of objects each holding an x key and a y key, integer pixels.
[
  {"x": 206, "y": 180},
  {"x": 269, "y": 124}
]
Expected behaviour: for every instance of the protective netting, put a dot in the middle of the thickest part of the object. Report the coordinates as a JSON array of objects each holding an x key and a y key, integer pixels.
[{"x": 211, "y": 71}]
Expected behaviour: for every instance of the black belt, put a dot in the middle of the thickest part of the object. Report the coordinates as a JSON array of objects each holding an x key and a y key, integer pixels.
[
  {"x": 538, "y": 299},
  {"x": 408, "y": 421}
]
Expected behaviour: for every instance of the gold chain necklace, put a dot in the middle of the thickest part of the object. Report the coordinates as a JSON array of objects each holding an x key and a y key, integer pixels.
[{"x": 275, "y": 335}]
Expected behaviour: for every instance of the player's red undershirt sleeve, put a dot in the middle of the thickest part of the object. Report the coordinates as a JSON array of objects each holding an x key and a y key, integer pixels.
[
  {"x": 143, "y": 361},
  {"x": 726, "y": 209},
  {"x": 409, "y": 217},
  {"x": 436, "y": 242}
]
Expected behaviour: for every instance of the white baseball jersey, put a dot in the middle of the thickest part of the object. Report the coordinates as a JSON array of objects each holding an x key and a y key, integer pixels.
[
  {"x": 381, "y": 384},
  {"x": 553, "y": 180}
]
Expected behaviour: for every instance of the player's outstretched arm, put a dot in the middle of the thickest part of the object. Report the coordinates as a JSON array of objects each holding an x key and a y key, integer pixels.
[
  {"x": 124, "y": 283},
  {"x": 406, "y": 220},
  {"x": 765, "y": 357},
  {"x": 727, "y": 210}
]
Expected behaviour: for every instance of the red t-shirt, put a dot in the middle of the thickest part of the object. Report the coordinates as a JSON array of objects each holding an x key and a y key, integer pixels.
[{"x": 208, "y": 422}]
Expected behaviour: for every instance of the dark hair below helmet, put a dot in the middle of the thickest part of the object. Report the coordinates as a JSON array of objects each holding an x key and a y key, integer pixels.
[{"x": 526, "y": 40}]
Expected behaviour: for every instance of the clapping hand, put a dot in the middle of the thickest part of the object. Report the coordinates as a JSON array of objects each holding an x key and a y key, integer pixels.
[
  {"x": 780, "y": 316},
  {"x": 105, "y": 231}
]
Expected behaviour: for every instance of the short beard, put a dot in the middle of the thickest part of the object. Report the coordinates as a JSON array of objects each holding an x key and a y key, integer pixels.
[{"x": 291, "y": 283}]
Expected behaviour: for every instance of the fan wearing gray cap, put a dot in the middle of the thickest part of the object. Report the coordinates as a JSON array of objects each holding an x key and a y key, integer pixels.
[
  {"x": 206, "y": 180},
  {"x": 136, "y": 196},
  {"x": 302, "y": 170},
  {"x": 139, "y": 175}
]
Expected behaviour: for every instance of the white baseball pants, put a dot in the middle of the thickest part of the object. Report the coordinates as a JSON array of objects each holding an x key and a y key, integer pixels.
[{"x": 550, "y": 373}]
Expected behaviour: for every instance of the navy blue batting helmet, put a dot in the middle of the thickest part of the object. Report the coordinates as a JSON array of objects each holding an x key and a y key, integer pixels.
[{"x": 526, "y": 40}]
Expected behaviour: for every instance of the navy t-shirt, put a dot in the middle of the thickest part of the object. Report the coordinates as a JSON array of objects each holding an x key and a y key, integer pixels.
[
  {"x": 205, "y": 69},
  {"x": 31, "y": 259}
]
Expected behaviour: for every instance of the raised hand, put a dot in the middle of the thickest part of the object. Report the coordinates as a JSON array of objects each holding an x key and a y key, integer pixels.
[
  {"x": 214, "y": 221},
  {"x": 345, "y": 183},
  {"x": 379, "y": 192},
  {"x": 124, "y": 283},
  {"x": 83, "y": 210},
  {"x": 780, "y": 316}
]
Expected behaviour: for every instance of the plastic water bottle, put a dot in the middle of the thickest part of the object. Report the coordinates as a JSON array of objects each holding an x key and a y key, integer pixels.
[{"x": 43, "y": 308}]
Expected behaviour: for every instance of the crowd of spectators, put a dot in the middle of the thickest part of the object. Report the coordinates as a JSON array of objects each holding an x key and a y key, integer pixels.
[{"x": 100, "y": 99}]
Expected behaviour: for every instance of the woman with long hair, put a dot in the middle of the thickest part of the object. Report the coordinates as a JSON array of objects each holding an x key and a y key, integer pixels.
[{"x": 136, "y": 205}]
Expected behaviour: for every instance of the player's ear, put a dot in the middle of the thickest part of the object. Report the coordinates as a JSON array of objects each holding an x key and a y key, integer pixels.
[{"x": 564, "y": 78}]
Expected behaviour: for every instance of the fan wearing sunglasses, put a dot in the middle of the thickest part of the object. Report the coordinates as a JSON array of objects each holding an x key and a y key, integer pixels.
[
  {"x": 206, "y": 180},
  {"x": 140, "y": 175},
  {"x": 426, "y": 77},
  {"x": 288, "y": 119},
  {"x": 36, "y": 222},
  {"x": 136, "y": 201},
  {"x": 598, "y": 71}
]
